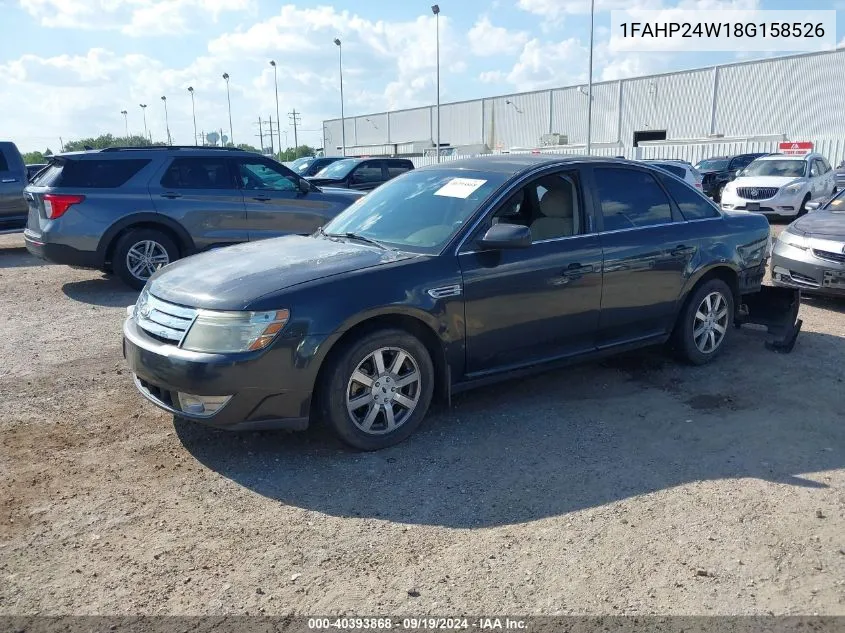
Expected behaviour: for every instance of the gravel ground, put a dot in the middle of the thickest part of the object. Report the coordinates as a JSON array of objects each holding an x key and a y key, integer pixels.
[{"x": 634, "y": 485}]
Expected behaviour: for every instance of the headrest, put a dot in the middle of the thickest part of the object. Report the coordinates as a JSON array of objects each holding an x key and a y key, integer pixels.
[{"x": 557, "y": 203}]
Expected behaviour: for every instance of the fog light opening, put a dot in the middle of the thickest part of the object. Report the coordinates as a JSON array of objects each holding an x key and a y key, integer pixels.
[{"x": 201, "y": 405}]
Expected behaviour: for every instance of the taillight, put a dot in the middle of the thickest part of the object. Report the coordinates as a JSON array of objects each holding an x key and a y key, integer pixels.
[{"x": 56, "y": 204}]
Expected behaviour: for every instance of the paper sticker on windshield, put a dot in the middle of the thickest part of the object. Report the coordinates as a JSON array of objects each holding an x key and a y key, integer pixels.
[{"x": 459, "y": 187}]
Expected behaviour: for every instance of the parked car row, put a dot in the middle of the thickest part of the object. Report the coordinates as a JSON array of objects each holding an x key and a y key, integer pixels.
[
  {"x": 134, "y": 210},
  {"x": 444, "y": 278}
]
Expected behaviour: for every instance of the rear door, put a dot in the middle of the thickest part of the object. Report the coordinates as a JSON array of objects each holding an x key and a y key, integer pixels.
[
  {"x": 647, "y": 250},
  {"x": 13, "y": 207},
  {"x": 397, "y": 167},
  {"x": 368, "y": 175},
  {"x": 274, "y": 203},
  {"x": 200, "y": 193}
]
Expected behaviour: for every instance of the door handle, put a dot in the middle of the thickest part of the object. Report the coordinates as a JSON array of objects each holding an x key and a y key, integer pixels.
[
  {"x": 261, "y": 198},
  {"x": 5, "y": 180},
  {"x": 681, "y": 250},
  {"x": 576, "y": 270},
  {"x": 171, "y": 195}
]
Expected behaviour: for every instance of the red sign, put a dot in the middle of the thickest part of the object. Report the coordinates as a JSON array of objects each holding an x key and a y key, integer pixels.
[
  {"x": 535, "y": 151},
  {"x": 795, "y": 148}
]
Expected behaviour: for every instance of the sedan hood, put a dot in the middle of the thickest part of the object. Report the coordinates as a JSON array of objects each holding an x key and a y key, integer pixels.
[
  {"x": 766, "y": 181},
  {"x": 231, "y": 278},
  {"x": 826, "y": 224}
]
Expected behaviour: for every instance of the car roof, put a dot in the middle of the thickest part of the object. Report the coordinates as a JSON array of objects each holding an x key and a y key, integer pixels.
[
  {"x": 512, "y": 164},
  {"x": 788, "y": 157},
  {"x": 157, "y": 150}
]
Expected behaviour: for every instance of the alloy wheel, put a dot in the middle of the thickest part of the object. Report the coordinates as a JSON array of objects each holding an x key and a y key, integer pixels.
[
  {"x": 711, "y": 323},
  {"x": 146, "y": 257},
  {"x": 383, "y": 391}
]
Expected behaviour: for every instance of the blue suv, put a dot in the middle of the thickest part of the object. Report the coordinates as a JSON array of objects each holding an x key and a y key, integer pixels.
[{"x": 133, "y": 210}]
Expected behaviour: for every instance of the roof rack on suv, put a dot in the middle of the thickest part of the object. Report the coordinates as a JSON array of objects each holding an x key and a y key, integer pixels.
[{"x": 167, "y": 147}]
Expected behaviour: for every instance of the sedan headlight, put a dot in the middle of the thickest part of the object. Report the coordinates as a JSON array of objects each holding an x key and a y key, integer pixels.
[
  {"x": 222, "y": 332},
  {"x": 798, "y": 241},
  {"x": 793, "y": 189}
]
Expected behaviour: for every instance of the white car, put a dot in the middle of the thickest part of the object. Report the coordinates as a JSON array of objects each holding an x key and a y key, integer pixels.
[
  {"x": 681, "y": 169},
  {"x": 780, "y": 185}
]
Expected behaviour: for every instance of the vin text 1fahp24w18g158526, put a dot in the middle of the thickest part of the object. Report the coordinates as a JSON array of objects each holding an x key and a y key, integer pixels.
[{"x": 448, "y": 277}]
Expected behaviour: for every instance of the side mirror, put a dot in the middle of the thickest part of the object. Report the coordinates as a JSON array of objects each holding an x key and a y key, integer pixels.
[
  {"x": 304, "y": 186},
  {"x": 812, "y": 205},
  {"x": 737, "y": 173},
  {"x": 504, "y": 236}
]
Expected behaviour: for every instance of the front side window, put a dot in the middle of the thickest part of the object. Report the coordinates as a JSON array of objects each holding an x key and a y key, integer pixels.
[
  {"x": 693, "y": 205},
  {"x": 367, "y": 173},
  {"x": 197, "y": 173},
  {"x": 712, "y": 164},
  {"x": 630, "y": 198},
  {"x": 786, "y": 167},
  {"x": 419, "y": 212},
  {"x": 258, "y": 175}
]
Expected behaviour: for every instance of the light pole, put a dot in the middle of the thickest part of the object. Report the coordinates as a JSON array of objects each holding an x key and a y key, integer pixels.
[
  {"x": 435, "y": 9},
  {"x": 229, "y": 101},
  {"x": 166, "y": 121},
  {"x": 194, "y": 114},
  {"x": 590, "y": 75},
  {"x": 144, "y": 110},
  {"x": 342, "y": 120},
  {"x": 125, "y": 121},
  {"x": 278, "y": 120}
]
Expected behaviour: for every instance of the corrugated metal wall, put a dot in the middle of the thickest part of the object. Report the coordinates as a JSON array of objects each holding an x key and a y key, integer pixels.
[{"x": 792, "y": 96}]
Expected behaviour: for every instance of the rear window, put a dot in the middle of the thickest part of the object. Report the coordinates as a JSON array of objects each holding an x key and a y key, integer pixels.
[{"x": 90, "y": 174}]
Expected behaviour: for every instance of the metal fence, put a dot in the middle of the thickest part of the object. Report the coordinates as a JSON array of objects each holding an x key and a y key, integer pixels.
[{"x": 831, "y": 148}]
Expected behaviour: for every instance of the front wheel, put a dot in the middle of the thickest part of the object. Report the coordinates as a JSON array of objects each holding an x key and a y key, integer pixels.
[
  {"x": 803, "y": 208},
  {"x": 141, "y": 252},
  {"x": 379, "y": 389},
  {"x": 705, "y": 323}
]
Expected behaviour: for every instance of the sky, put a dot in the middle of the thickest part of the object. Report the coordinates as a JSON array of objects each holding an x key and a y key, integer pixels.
[{"x": 69, "y": 67}]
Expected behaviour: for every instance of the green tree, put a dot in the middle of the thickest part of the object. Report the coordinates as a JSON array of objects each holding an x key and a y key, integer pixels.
[
  {"x": 108, "y": 140},
  {"x": 33, "y": 158},
  {"x": 247, "y": 147},
  {"x": 292, "y": 153}
]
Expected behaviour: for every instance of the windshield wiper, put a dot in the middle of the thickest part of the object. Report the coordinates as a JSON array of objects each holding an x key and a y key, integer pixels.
[{"x": 357, "y": 236}]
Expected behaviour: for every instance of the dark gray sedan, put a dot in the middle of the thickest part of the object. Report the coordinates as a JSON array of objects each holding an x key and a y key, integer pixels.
[{"x": 810, "y": 253}]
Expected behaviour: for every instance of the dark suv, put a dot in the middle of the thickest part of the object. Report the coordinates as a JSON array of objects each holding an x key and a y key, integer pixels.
[
  {"x": 718, "y": 171},
  {"x": 363, "y": 174},
  {"x": 134, "y": 210},
  {"x": 12, "y": 182}
]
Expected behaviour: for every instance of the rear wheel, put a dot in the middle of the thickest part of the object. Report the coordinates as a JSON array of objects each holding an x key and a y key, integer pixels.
[
  {"x": 141, "y": 252},
  {"x": 379, "y": 389},
  {"x": 705, "y": 323}
]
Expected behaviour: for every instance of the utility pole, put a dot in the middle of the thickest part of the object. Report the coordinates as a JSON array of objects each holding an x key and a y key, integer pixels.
[
  {"x": 272, "y": 144},
  {"x": 261, "y": 134},
  {"x": 295, "y": 120}
]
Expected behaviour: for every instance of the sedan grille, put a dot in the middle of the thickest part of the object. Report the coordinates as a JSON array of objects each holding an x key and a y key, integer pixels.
[
  {"x": 756, "y": 193},
  {"x": 165, "y": 321},
  {"x": 839, "y": 258}
]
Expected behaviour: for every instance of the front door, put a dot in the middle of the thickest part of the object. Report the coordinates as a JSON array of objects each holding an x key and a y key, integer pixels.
[
  {"x": 200, "y": 193},
  {"x": 275, "y": 205},
  {"x": 538, "y": 303},
  {"x": 647, "y": 251}
]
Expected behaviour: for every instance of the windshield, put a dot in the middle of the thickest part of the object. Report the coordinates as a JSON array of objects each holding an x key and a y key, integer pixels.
[
  {"x": 712, "y": 164},
  {"x": 837, "y": 203},
  {"x": 419, "y": 211},
  {"x": 338, "y": 169},
  {"x": 788, "y": 168},
  {"x": 301, "y": 164}
]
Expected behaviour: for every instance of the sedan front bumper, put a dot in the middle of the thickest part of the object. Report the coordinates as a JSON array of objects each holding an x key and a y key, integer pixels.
[
  {"x": 814, "y": 270},
  {"x": 781, "y": 204},
  {"x": 258, "y": 398}
]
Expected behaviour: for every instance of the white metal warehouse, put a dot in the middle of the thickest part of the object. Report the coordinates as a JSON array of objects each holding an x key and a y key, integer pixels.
[{"x": 730, "y": 107}]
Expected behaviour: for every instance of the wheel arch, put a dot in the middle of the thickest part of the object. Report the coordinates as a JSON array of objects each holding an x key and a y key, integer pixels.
[
  {"x": 145, "y": 221},
  {"x": 726, "y": 273},
  {"x": 420, "y": 325}
]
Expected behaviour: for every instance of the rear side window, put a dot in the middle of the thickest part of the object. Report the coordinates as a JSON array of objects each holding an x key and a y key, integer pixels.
[
  {"x": 678, "y": 171},
  {"x": 197, "y": 173},
  {"x": 692, "y": 204},
  {"x": 90, "y": 174},
  {"x": 630, "y": 199},
  {"x": 368, "y": 172},
  {"x": 4, "y": 164},
  {"x": 395, "y": 169}
]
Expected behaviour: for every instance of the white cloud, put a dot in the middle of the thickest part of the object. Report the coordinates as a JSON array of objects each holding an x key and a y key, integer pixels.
[
  {"x": 486, "y": 40},
  {"x": 543, "y": 65},
  {"x": 132, "y": 17},
  {"x": 555, "y": 10}
]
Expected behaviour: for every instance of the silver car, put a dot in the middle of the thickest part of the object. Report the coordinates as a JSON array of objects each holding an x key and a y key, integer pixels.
[{"x": 810, "y": 253}]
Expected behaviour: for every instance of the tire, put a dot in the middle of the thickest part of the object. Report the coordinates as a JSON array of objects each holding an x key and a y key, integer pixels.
[
  {"x": 718, "y": 196},
  {"x": 693, "y": 348},
  {"x": 803, "y": 208},
  {"x": 342, "y": 389},
  {"x": 162, "y": 250}
]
